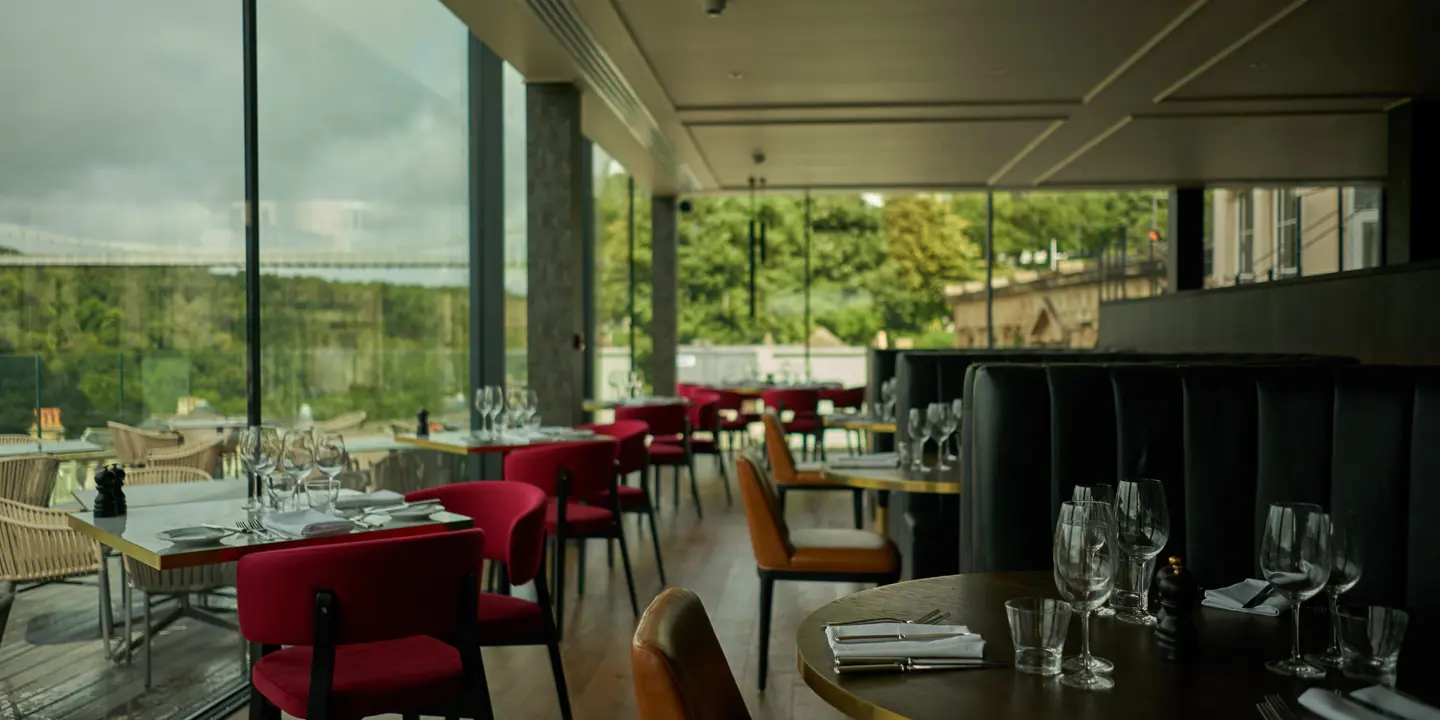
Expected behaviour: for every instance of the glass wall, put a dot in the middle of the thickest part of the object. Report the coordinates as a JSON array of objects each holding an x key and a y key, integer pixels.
[
  {"x": 517, "y": 243},
  {"x": 121, "y": 248},
  {"x": 1266, "y": 234},
  {"x": 615, "y": 209}
]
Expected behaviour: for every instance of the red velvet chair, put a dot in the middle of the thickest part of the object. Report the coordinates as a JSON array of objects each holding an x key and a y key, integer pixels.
[
  {"x": 575, "y": 475},
  {"x": 512, "y": 515},
  {"x": 704, "y": 416},
  {"x": 361, "y": 620},
  {"x": 670, "y": 444},
  {"x": 846, "y": 401},
  {"x": 804, "y": 409},
  {"x": 734, "y": 421},
  {"x": 633, "y": 457}
]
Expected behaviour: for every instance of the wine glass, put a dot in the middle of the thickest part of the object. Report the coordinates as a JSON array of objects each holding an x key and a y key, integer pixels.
[
  {"x": 1347, "y": 564},
  {"x": 1084, "y": 557},
  {"x": 1142, "y": 526},
  {"x": 497, "y": 406},
  {"x": 935, "y": 430},
  {"x": 532, "y": 406},
  {"x": 1100, "y": 493},
  {"x": 1295, "y": 558},
  {"x": 297, "y": 460},
  {"x": 330, "y": 454},
  {"x": 952, "y": 423},
  {"x": 515, "y": 403},
  {"x": 616, "y": 380},
  {"x": 634, "y": 383},
  {"x": 483, "y": 401},
  {"x": 917, "y": 438}
]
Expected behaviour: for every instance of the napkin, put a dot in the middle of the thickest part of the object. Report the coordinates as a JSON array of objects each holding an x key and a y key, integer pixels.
[
  {"x": 353, "y": 499},
  {"x": 306, "y": 524},
  {"x": 964, "y": 644},
  {"x": 1329, "y": 706},
  {"x": 1235, "y": 596},
  {"x": 878, "y": 460}
]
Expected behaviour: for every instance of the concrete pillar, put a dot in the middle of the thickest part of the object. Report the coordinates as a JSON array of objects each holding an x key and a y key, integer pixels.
[
  {"x": 555, "y": 308},
  {"x": 1185, "y": 265},
  {"x": 1411, "y": 224},
  {"x": 664, "y": 293}
]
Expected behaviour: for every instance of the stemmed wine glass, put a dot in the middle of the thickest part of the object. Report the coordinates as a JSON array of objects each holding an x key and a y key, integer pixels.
[
  {"x": 634, "y": 384},
  {"x": 257, "y": 458},
  {"x": 1347, "y": 561},
  {"x": 484, "y": 400},
  {"x": 952, "y": 424},
  {"x": 1295, "y": 558},
  {"x": 1100, "y": 493},
  {"x": 1085, "y": 575},
  {"x": 616, "y": 380},
  {"x": 1142, "y": 526},
  {"x": 330, "y": 455},
  {"x": 532, "y": 408},
  {"x": 935, "y": 430},
  {"x": 917, "y": 438},
  {"x": 297, "y": 460},
  {"x": 515, "y": 403}
]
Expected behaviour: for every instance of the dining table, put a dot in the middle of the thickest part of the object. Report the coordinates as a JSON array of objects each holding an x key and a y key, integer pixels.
[
  {"x": 596, "y": 405},
  {"x": 463, "y": 442},
  {"x": 1225, "y": 680},
  {"x": 931, "y": 481},
  {"x": 67, "y": 449}
]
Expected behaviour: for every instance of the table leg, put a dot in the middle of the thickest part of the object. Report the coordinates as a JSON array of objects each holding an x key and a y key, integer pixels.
[{"x": 882, "y": 512}]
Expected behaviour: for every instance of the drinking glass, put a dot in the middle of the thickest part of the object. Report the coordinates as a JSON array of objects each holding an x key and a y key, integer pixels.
[
  {"x": 616, "y": 379},
  {"x": 1100, "y": 493},
  {"x": 515, "y": 403},
  {"x": 1085, "y": 575},
  {"x": 247, "y": 443},
  {"x": 484, "y": 400},
  {"x": 1346, "y": 565},
  {"x": 917, "y": 439},
  {"x": 532, "y": 407},
  {"x": 935, "y": 415},
  {"x": 1295, "y": 558},
  {"x": 1372, "y": 637},
  {"x": 298, "y": 458},
  {"x": 634, "y": 383},
  {"x": 952, "y": 423},
  {"x": 1038, "y": 627},
  {"x": 1142, "y": 526},
  {"x": 497, "y": 406},
  {"x": 321, "y": 494},
  {"x": 330, "y": 454}
]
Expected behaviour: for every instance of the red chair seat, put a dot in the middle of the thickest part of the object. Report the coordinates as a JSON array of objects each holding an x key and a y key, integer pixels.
[
  {"x": 733, "y": 424},
  {"x": 630, "y": 496},
  {"x": 370, "y": 678},
  {"x": 803, "y": 425},
  {"x": 504, "y": 619},
  {"x": 667, "y": 453},
  {"x": 579, "y": 519},
  {"x": 697, "y": 445}
]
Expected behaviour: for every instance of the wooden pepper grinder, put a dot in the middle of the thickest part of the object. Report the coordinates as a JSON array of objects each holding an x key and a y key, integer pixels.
[
  {"x": 422, "y": 423},
  {"x": 110, "y": 501},
  {"x": 1175, "y": 628}
]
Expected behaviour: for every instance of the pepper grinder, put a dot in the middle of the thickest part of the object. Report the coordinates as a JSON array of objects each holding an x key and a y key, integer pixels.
[
  {"x": 110, "y": 501},
  {"x": 1175, "y": 628},
  {"x": 422, "y": 423}
]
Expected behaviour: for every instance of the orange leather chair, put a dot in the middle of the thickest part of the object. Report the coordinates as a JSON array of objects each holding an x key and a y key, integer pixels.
[
  {"x": 816, "y": 555},
  {"x": 790, "y": 476},
  {"x": 680, "y": 671}
]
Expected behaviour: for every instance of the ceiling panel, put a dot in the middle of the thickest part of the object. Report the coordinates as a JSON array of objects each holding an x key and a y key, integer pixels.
[
  {"x": 1333, "y": 47},
  {"x": 828, "y": 51},
  {"x": 916, "y": 154},
  {"x": 1172, "y": 150}
]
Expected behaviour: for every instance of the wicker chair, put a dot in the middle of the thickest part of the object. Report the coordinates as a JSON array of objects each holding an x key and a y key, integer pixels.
[
  {"x": 180, "y": 583},
  {"x": 28, "y": 479},
  {"x": 204, "y": 456},
  {"x": 342, "y": 423},
  {"x": 133, "y": 445},
  {"x": 38, "y": 546}
]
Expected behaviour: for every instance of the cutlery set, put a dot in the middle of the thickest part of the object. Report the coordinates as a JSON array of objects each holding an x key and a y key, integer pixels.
[{"x": 871, "y": 664}]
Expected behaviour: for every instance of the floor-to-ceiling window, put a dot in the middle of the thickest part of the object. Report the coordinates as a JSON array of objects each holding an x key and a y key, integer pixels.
[
  {"x": 1266, "y": 233},
  {"x": 363, "y": 108},
  {"x": 517, "y": 244},
  {"x": 615, "y": 207}
]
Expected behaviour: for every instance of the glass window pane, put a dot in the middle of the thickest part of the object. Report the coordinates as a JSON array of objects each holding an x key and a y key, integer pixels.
[
  {"x": 517, "y": 242},
  {"x": 613, "y": 323},
  {"x": 364, "y": 200}
]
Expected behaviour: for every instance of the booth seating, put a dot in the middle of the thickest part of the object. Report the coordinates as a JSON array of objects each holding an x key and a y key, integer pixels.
[{"x": 1227, "y": 440}]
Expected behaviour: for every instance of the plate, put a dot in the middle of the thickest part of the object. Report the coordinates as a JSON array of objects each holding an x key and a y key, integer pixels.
[
  {"x": 415, "y": 512},
  {"x": 193, "y": 535}
]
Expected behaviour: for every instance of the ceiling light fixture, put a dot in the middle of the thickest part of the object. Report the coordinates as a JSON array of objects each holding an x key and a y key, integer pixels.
[
  {"x": 735, "y": 75},
  {"x": 1257, "y": 66},
  {"x": 714, "y": 8}
]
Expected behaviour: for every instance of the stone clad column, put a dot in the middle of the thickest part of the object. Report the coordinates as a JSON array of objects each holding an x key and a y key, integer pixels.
[
  {"x": 554, "y": 313},
  {"x": 664, "y": 294}
]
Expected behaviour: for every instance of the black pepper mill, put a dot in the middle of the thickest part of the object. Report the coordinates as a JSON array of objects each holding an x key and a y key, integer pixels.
[
  {"x": 110, "y": 482},
  {"x": 1175, "y": 628},
  {"x": 422, "y": 423}
]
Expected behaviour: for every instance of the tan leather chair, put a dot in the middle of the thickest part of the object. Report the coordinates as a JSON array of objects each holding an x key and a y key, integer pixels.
[
  {"x": 816, "y": 555},
  {"x": 790, "y": 476},
  {"x": 680, "y": 671}
]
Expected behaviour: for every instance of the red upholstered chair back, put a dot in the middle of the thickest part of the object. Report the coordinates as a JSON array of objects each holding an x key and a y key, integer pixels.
[
  {"x": 591, "y": 466},
  {"x": 845, "y": 399},
  {"x": 704, "y": 411},
  {"x": 685, "y": 390},
  {"x": 804, "y": 403},
  {"x": 384, "y": 589},
  {"x": 665, "y": 421},
  {"x": 728, "y": 399},
  {"x": 630, "y": 435},
  {"x": 511, "y": 514}
]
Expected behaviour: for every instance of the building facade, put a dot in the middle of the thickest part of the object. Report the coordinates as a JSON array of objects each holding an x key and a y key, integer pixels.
[{"x": 1263, "y": 234}]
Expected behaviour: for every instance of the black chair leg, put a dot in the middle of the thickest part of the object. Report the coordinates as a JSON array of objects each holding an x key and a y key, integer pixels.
[
  {"x": 767, "y": 595},
  {"x": 562, "y": 692},
  {"x": 695, "y": 489},
  {"x": 655, "y": 540},
  {"x": 781, "y": 492},
  {"x": 480, "y": 694},
  {"x": 859, "y": 503},
  {"x": 820, "y": 445},
  {"x": 652, "y": 481},
  {"x": 559, "y": 599},
  {"x": 804, "y": 448},
  {"x": 625, "y": 560},
  {"x": 725, "y": 478},
  {"x": 610, "y": 553},
  {"x": 580, "y": 549}
]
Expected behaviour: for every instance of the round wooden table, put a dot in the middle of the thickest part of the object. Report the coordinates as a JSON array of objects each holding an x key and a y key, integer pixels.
[
  {"x": 863, "y": 424},
  {"x": 888, "y": 480},
  {"x": 1224, "y": 684}
]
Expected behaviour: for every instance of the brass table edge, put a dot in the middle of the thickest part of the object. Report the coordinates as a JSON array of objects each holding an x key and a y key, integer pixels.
[
  {"x": 115, "y": 542},
  {"x": 836, "y": 696},
  {"x": 933, "y": 487},
  {"x": 438, "y": 446}
]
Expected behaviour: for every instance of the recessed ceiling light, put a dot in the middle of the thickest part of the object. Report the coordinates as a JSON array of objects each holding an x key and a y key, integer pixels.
[
  {"x": 1257, "y": 66},
  {"x": 735, "y": 75}
]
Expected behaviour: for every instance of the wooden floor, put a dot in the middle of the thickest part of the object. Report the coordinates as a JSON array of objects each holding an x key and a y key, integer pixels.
[{"x": 51, "y": 664}]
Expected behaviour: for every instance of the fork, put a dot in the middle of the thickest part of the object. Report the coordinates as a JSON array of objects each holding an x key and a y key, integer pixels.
[
  {"x": 1280, "y": 708},
  {"x": 929, "y": 618},
  {"x": 254, "y": 526}
]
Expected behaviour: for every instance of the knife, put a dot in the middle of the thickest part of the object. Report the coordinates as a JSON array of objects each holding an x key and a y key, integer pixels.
[
  {"x": 1372, "y": 707},
  {"x": 1260, "y": 597},
  {"x": 911, "y": 666}
]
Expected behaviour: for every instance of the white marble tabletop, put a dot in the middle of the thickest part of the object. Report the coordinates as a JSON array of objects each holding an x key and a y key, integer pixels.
[
  {"x": 176, "y": 494},
  {"x": 374, "y": 443},
  {"x": 50, "y": 447},
  {"x": 468, "y": 443},
  {"x": 134, "y": 534}
]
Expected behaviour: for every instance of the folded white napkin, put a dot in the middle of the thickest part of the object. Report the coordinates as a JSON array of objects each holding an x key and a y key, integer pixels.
[
  {"x": 349, "y": 499},
  {"x": 1327, "y": 705},
  {"x": 306, "y": 524},
  {"x": 961, "y": 643},
  {"x": 878, "y": 460},
  {"x": 1235, "y": 597}
]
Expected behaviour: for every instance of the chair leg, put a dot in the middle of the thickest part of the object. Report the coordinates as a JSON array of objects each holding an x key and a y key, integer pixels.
[
  {"x": 610, "y": 553},
  {"x": 580, "y": 552},
  {"x": 725, "y": 478},
  {"x": 655, "y": 540},
  {"x": 781, "y": 492},
  {"x": 145, "y": 600},
  {"x": 562, "y": 692},
  {"x": 625, "y": 560},
  {"x": 695, "y": 488},
  {"x": 767, "y": 595},
  {"x": 820, "y": 445},
  {"x": 559, "y": 598},
  {"x": 652, "y": 481},
  {"x": 804, "y": 448},
  {"x": 675, "y": 486},
  {"x": 859, "y": 503}
]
